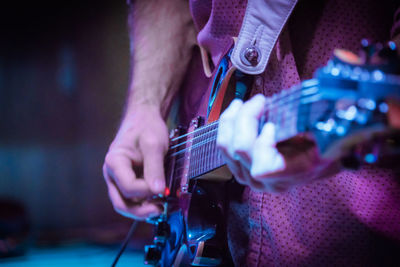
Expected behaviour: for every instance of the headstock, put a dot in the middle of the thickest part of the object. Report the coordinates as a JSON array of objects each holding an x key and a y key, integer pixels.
[{"x": 353, "y": 95}]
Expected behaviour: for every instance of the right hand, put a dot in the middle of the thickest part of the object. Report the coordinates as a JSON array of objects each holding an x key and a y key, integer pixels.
[{"x": 134, "y": 164}]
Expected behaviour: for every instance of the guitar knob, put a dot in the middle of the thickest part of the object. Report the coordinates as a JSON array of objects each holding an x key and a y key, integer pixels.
[{"x": 152, "y": 254}]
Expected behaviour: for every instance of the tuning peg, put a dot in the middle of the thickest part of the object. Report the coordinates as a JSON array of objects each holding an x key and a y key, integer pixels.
[{"x": 152, "y": 254}]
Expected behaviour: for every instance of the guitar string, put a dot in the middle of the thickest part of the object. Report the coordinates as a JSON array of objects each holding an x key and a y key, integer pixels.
[
  {"x": 283, "y": 95},
  {"x": 213, "y": 163},
  {"x": 268, "y": 109},
  {"x": 212, "y": 132},
  {"x": 285, "y": 118},
  {"x": 195, "y": 131},
  {"x": 212, "y": 142},
  {"x": 269, "y": 106},
  {"x": 277, "y": 97},
  {"x": 213, "y": 137},
  {"x": 272, "y": 103},
  {"x": 194, "y": 138},
  {"x": 200, "y": 167}
]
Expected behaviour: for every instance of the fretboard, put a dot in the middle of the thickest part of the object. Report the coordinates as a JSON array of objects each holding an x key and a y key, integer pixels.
[
  {"x": 205, "y": 156},
  {"x": 288, "y": 110}
]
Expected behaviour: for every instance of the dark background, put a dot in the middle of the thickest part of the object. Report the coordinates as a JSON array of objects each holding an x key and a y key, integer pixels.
[{"x": 64, "y": 71}]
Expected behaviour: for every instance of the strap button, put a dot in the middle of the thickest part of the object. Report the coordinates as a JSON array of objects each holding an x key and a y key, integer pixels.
[{"x": 250, "y": 56}]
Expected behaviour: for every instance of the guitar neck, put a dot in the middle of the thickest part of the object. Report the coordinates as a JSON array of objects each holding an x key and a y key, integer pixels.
[{"x": 195, "y": 153}]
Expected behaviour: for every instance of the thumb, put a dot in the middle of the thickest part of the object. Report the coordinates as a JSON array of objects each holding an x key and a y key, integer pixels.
[{"x": 153, "y": 169}]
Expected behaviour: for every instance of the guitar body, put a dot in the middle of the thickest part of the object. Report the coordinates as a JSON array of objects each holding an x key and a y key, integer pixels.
[
  {"x": 202, "y": 227},
  {"x": 202, "y": 215},
  {"x": 198, "y": 224},
  {"x": 198, "y": 206}
]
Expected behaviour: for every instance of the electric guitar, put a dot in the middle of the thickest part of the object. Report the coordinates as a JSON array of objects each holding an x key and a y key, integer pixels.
[{"x": 345, "y": 106}]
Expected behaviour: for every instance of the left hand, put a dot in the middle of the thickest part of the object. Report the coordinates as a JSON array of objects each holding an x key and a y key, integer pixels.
[{"x": 256, "y": 159}]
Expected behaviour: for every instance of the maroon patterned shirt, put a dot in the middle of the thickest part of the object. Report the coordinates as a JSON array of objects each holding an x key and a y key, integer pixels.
[{"x": 350, "y": 219}]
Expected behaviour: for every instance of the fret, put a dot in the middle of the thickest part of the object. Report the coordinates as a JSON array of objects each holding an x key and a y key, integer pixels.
[
  {"x": 203, "y": 156},
  {"x": 204, "y": 152},
  {"x": 207, "y": 152},
  {"x": 200, "y": 158},
  {"x": 193, "y": 158},
  {"x": 213, "y": 154},
  {"x": 280, "y": 116},
  {"x": 199, "y": 152},
  {"x": 208, "y": 155}
]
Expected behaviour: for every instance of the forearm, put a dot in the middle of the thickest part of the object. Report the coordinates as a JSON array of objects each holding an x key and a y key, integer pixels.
[{"x": 162, "y": 35}]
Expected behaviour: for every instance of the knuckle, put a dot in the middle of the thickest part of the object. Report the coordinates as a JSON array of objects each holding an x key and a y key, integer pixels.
[
  {"x": 127, "y": 190},
  {"x": 241, "y": 145},
  {"x": 225, "y": 117}
]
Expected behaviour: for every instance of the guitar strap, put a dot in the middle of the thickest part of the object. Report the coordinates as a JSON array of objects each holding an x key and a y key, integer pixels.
[{"x": 262, "y": 24}]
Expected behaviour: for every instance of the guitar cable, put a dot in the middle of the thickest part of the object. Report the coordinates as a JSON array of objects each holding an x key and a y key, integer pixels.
[{"x": 125, "y": 243}]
